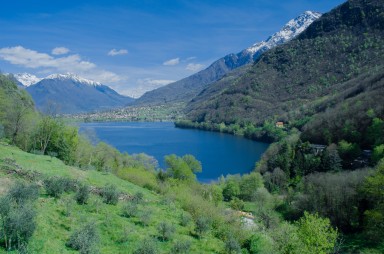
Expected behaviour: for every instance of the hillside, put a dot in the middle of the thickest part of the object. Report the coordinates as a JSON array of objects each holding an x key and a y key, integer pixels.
[
  {"x": 186, "y": 89},
  {"x": 339, "y": 52}
]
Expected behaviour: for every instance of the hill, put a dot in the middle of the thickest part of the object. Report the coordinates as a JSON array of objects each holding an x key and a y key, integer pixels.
[{"x": 187, "y": 88}]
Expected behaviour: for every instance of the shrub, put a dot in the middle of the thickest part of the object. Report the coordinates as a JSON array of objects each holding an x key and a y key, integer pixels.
[
  {"x": 85, "y": 239},
  {"x": 185, "y": 219},
  {"x": 166, "y": 230},
  {"x": 181, "y": 246},
  {"x": 237, "y": 204},
  {"x": 147, "y": 246},
  {"x": 130, "y": 210},
  {"x": 110, "y": 194},
  {"x": 138, "y": 198},
  {"x": 202, "y": 225},
  {"x": 21, "y": 192},
  {"x": 145, "y": 217},
  {"x": 82, "y": 194},
  {"x": 232, "y": 246},
  {"x": 55, "y": 186}
]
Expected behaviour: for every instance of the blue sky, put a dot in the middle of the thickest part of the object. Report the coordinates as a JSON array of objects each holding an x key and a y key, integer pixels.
[{"x": 136, "y": 45}]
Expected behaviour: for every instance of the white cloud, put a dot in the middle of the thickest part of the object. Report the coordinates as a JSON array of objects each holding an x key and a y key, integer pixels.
[
  {"x": 115, "y": 52},
  {"x": 194, "y": 67},
  {"x": 46, "y": 63},
  {"x": 145, "y": 85},
  {"x": 173, "y": 61},
  {"x": 190, "y": 58},
  {"x": 60, "y": 51}
]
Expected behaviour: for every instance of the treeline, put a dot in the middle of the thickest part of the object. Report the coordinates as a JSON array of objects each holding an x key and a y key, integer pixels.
[{"x": 268, "y": 132}]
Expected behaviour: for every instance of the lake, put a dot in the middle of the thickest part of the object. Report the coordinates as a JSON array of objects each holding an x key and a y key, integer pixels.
[{"x": 219, "y": 154}]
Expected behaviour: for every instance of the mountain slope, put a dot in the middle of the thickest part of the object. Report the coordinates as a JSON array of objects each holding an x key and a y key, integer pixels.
[
  {"x": 291, "y": 81},
  {"x": 72, "y": 94},
  {"x": 187, "y": 88}
]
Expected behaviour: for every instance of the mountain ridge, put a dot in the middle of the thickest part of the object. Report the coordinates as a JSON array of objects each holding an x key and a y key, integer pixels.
[{"x": 186, "y": 89}]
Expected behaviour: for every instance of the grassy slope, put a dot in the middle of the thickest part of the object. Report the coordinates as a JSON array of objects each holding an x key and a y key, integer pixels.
[{"x": 118, "y": 234}]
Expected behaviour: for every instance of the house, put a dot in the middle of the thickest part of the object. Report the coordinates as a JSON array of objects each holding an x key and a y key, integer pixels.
[{"x": 279, "y": 125}]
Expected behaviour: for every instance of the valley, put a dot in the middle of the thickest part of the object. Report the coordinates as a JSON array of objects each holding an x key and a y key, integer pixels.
[{"x": 276, "y": 149}]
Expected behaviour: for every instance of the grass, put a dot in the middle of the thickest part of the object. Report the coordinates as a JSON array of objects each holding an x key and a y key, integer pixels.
[{"x": 58, "y": 218}]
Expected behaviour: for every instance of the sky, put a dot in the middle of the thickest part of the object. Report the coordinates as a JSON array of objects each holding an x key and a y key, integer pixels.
[{"x": 136, "y": 45}]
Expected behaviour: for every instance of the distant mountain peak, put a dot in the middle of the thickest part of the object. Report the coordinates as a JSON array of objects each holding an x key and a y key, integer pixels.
[
  {"x": 73, "y": 77},
  {"x": 293, "y": 28},
  {"x": 26, "y": 79}
]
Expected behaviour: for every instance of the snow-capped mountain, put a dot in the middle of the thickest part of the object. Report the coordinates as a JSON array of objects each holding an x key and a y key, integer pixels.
[
  {"x": 74, "y": 78},
  {"x": 186, "y": 89},
  {"x": 73, "y": 94},
  {"x": 293, "y": 28},
  {"x": 26, "y": 79}
]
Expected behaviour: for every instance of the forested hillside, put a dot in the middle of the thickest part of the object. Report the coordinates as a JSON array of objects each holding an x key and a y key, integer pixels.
[{"x": 338, "y": 57}]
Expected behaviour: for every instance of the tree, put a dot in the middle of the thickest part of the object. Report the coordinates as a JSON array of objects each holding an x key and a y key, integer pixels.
[
  {"x": 231, "y": 188},
  {"x": 166, "y": 230},
  {"x": 331, "y": 160},
  {"x": 317, "y": 234},
  {"x": 202, "y": 225},
  {"x": 110, "y": 194},
  {"x": 85, "y": 239},
  {"x": 82, "y": 194},
  {"x": 249, "y": 183},
  {"x": 182, "y": 168}
]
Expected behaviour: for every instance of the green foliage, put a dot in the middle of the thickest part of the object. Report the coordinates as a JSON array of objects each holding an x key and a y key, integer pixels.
[
  {"x": 182, "y": 168},
  {"x": 130, "y": 210},
  {"x": 110, "y": 194},
  {"x": 55, "y": 186},
  {"x": 378, "y": 153},
  {"x": 237, "y": 204},
  {"x": 85, "y": 239},
  {"x": 317, "y": 234},
  {"x": 165, "y": 230},
  {"x": 202, "y": 225},
  {"x": 374, "y": 217},
  {"x": 147, "y": 246},
  {"x": 232, "y": 246},
  {"x": 185, "y": 219},
  {"x": 249, "y": 184},
  {"x": 231, "y": 188},
  {"x": 82, "y": 194},
  {"x": 331, "y": 160},
  {"x": 17, "y": 216},
  {"x": 181, "y": 247}
]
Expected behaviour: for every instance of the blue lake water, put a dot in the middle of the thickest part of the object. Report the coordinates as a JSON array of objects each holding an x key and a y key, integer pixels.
[{"x": 219, "y": 154}]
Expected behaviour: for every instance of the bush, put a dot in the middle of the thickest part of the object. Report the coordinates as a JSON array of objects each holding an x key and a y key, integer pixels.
[
  {"x": 185, "y": 219},
  {"x": 237, "y": 204},
  {"x": 166, "y": 230},
  {"x": 130, "y": 210},
  {"x": 55, "y": 186},
  {"x": 138, "y": 198},
  {"x": 85, "y": 239},
  {"x": 232, "y": 246},
  {"x": 202, "y": 225},
  {"x": 19, "y": 225},
  {"x": 145, "y": 217},
  {"x": 21, "y": 193},
  {"x": 82, "y": 194},
  {"x": 110, "y": 194},
  {"x": 181, "y": 246},
  {"x": 147, "y": 246}
]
